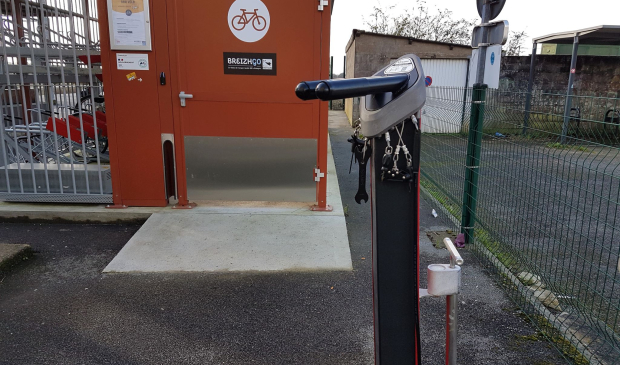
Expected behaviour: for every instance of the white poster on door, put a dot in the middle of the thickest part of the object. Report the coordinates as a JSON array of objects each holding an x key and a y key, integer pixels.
[{"x": 129, "y": 24}]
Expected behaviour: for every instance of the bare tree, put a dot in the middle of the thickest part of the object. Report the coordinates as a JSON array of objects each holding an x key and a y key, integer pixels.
[
  {"x": 420, "y": 23},
  {"x": 515, "y": 43}
]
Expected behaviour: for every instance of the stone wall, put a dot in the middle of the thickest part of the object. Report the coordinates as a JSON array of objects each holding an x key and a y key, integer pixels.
[
  {"x": 596, "y": 75},
  {"x": 349, "y": 74}
]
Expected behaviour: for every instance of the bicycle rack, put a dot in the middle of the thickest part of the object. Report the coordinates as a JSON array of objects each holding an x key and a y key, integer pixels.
[{"x": 44, "y": 137}]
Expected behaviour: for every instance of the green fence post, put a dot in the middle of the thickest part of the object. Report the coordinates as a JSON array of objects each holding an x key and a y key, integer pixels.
[{"x": 472, "y": 163}]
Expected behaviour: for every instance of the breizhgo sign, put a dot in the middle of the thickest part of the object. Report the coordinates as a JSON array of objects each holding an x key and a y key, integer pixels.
[{"x": 236, "y": 63}]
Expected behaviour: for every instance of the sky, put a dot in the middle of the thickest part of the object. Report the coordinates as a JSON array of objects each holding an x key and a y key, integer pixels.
[{"x": 536, "y": 17}]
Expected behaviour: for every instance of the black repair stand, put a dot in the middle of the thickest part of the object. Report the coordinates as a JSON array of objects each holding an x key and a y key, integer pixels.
[{"x": 395, "y": 238}]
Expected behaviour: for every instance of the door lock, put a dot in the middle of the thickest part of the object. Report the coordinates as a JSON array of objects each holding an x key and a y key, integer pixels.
[{"x": 183, "y": 96}]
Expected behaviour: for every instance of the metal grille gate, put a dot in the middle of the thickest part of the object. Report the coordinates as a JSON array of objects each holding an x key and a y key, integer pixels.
[{"x": 53, "y": 135}]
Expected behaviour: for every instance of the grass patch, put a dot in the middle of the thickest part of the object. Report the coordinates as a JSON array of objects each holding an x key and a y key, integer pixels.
[
  {"x": 513, "y": 260},
  {"x": 552, "y": 334},
  {"x": 452, "y": 208},
  {"x": 558, "y": 145}
]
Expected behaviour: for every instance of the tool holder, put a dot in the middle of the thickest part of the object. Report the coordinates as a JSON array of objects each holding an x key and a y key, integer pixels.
[{"x": 445, "y": 280}]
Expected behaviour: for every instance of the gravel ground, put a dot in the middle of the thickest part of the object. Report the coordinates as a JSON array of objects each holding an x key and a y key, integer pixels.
[{"x": 58, "y": 308}]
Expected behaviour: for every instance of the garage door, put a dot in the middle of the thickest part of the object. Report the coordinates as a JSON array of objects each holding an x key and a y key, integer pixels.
[{"x": 446, "y": 80}]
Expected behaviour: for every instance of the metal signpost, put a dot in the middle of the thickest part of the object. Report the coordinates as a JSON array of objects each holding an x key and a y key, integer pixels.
[
  {"x": 488, "y": 10},
  {"x": 497, "y": 34}
]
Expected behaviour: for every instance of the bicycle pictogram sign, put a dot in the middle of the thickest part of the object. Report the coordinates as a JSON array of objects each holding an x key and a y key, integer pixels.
[
  {"x": 240, "y": 21},
  {"x": 249, "y": 20}
]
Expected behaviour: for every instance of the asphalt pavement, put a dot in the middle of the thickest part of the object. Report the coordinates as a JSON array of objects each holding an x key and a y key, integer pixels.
[{"x": 58, "y": 308}]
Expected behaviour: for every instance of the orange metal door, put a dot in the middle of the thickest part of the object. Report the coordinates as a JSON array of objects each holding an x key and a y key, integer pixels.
[
  {"x": 138, "y": 112},
  {"x": 256, "y": 106}
]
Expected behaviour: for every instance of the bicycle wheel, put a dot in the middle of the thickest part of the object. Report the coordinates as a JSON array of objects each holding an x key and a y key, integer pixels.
[
  {"x": 238, "y": 23},
  {"x": 102, "y": 142},
  {"x": 574, "y": 120},
  {"x": 85, "y": 104},
  {"x": 612, "y": 122},
  {"x": 259, "y": 23}
]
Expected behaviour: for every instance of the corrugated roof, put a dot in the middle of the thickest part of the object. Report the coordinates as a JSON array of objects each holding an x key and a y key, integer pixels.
[
  {"x": 600, "y": 35},
  {"x": 358, "y": 32}
]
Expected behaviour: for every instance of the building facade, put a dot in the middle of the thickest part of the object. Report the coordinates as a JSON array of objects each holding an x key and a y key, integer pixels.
[{"x": 369, "y": 52}]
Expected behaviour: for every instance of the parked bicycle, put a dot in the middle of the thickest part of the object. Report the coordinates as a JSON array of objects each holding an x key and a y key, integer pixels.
[
  {"x": 75, "y": 138},
  {"x": 575, "y": 119},
  {"x": 612, "y": 122},
  {"x": 240, "y": 21}
]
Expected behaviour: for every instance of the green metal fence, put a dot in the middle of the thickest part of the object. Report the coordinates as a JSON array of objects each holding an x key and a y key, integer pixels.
[{"x": 543, "y": 215}]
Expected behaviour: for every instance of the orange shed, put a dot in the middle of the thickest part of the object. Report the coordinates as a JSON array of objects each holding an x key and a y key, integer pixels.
[{"x": 200, "y": 101}]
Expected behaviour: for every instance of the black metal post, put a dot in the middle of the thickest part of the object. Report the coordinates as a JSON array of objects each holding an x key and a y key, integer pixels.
[
  {"x": 331, "y": 75},
  {"x": 395, "y": 233},
  {"x": 482, "y": 50},
  {"x": 530, "y": 86},
  {"x": 344, "y": 74},
  {"x": 569, "y": 91}
]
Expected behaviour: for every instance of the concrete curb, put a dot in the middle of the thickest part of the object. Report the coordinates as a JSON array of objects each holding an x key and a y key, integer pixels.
[
  {"x": 12, "y": 254},
  {"x": 70, "y": 213}
]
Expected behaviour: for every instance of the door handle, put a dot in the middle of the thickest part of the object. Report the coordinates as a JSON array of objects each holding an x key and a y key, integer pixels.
[{"x": 183, "y": 96}]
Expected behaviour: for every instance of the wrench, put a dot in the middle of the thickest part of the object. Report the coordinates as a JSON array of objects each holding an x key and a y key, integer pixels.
[{"x": 362, "y": 155}]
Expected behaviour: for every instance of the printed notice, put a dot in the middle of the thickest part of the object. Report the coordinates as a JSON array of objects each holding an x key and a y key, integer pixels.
[
  {"x": 129, "y": 26},
  {"x": 236, "y": 63},
  {"x": 132, "y": 61}
]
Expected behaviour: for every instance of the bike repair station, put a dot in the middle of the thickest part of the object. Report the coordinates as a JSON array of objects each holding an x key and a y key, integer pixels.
[{"x": 172, "y": 103}]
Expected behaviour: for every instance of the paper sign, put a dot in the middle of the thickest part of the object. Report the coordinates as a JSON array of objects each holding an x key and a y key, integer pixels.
[
  {"x": 129, "y": 24},
  {"x": 132, "y": 61}
]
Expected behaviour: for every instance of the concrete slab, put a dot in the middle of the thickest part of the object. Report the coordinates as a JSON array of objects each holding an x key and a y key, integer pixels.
[
  {"x": 241, "y": 236},
  {"x": 9, "y": 253},
  {"x": 235, "y": 242}
]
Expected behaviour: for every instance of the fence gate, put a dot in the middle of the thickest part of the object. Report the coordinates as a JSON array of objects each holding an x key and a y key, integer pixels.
[{"x": 53, "y": 135}]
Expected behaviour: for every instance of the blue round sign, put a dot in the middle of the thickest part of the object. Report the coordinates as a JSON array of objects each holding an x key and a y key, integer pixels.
[
  {"x": 428, "y": 81},
  {"x": 492, "y": 58}
]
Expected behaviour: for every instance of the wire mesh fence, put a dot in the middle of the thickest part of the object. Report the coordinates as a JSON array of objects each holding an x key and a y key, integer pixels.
[
  {"x": 547, "y": 213},
  {"x": 53, "y": 134}
]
